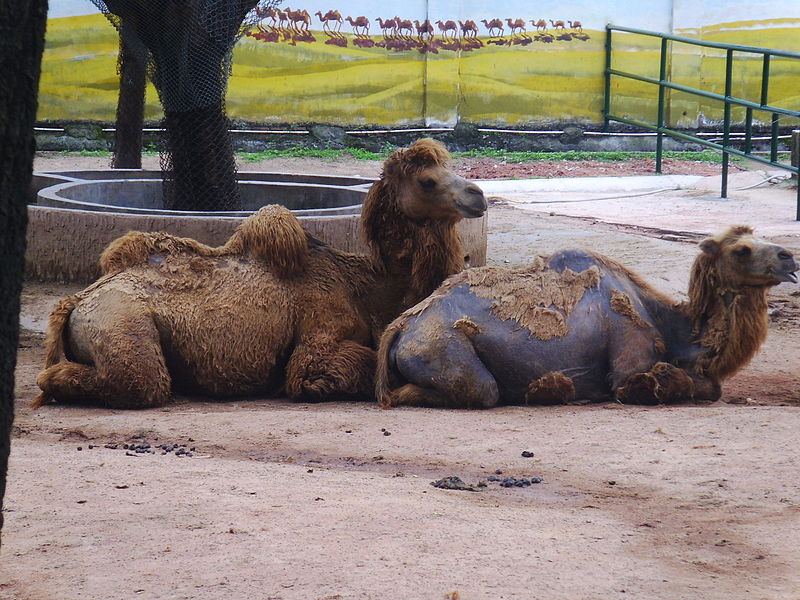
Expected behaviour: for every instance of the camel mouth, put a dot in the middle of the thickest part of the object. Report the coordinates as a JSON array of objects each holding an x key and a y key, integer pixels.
[
  {"x": 474, "y": 206},
  {"x": 471, "y": 212},
  {"x": 785, "y": 276}
]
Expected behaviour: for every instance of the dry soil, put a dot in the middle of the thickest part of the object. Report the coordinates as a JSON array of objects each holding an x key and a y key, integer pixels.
[{"x": 281, "y": 500}]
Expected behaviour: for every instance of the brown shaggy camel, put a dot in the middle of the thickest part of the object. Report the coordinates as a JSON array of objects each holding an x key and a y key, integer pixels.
[
  {"x": 272, "y": 309},
  {"x": 578, "y": 325}
]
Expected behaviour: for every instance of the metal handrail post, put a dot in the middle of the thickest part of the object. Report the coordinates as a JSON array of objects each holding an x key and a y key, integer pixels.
[
  {"x": 726, "y": 134},
  {"x": 765, "y": 81},
  {"x": 748, "y": 130},
  {"x": 607, "y": 82},
  {"x": 773, "y": 147},
  {"x": 662, "y": 75}
]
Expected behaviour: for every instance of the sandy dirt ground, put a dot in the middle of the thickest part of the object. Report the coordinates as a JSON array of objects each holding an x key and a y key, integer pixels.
[{"x": 269, "y": 499}]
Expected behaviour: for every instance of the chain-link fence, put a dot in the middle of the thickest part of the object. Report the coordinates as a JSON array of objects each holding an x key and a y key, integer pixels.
[{"x": 187, "y": 46}]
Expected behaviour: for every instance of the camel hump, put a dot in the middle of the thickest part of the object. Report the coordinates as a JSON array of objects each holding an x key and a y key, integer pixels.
[
  {"x": 54, "y": 340},
  {"x": 136, "y": 247},
  {"x": 273, "y": 235}
]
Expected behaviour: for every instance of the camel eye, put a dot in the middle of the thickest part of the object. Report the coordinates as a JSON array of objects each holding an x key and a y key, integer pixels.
[
  {"x": 784, "y": 255},
  {"x": 742, "y": 251},
  {"x": 427, "y": 184}
]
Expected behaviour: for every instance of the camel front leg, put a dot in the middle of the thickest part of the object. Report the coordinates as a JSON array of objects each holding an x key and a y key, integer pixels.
[
  {"x": 662, "y": 384},
  {"x": 322, "y": 367}
]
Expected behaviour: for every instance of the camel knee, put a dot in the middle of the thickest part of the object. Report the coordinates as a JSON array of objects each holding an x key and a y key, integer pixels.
[
  {"x": 322, "y": 368},
  {"x": 663, "y": 383},
  {"x": 74, "y": 382},
  {"x": 550, "y": 388},
  {"x": 67, "y": 381}
]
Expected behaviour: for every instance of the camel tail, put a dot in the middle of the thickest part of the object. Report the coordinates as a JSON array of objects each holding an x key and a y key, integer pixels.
[
  {"x": 54, "y": 340},
  {"x": 275, "y": 236},
  {"x": 385, "y": 378}
]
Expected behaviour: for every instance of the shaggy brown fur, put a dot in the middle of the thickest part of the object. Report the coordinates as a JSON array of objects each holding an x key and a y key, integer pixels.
[
  {"x": 727, "y": 310},
  {"x": 272, "y": 234},
  {"x": 615, "y": 329},
  {"x": 273, "y": 308},
  {"x": 511, "y": 293}
]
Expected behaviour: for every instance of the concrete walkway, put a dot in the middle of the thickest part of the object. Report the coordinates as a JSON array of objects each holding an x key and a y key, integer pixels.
[{"x": 687, "y": 203}]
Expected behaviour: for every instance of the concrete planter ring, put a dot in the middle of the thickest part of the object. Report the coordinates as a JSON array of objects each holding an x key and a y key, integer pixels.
[{"x": 74, "y": 215}]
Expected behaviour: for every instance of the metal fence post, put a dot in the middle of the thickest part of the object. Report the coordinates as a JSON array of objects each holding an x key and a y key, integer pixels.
[
  {"x": 607, "y": 81},
  {"x": 726, "y": 134},
  {"x": 662, "y": 75},
  {"x": 796, "y": 164}
]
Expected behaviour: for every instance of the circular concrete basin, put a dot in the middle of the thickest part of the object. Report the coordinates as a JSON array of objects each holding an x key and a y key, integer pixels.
[{"x": 76, "y": 214}]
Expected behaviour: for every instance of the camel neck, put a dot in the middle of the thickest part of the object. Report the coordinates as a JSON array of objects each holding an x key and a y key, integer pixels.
[
  {"x": 732, "y": 328},
  {"x": 410, "y": 266}
]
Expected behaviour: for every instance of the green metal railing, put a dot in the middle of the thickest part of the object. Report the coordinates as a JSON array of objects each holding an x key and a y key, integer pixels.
[{"x": 662, "y": 128}]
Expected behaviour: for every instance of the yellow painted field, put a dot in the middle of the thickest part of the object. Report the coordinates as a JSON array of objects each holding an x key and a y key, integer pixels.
[{"x": 510, "y": 85}]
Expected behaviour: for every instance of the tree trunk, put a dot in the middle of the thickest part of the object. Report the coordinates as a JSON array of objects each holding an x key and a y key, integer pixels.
[
  {"x": 130, "y": 108},
  {"x": 191, "y": 45},
  {"x": 22, "y": 26},
  {"x": 202, "y": 175}
]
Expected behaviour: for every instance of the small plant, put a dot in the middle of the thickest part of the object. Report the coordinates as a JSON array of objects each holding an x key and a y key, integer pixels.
[{"x": 303, "y": 152}]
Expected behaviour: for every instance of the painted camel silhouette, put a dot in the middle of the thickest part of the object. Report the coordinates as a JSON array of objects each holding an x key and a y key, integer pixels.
[
  {"x": 447, "y": 26},
  {"x": 299, "y": 20},
  {"x": 423, "y": 28},
  {"x": 361, "y": 23},
  {"x": 272, "y": 309},
  {"x": 557, "y": 24},
  {"x": 330, "y": 16},
  {"x": 579, "y": 325},
  {"x": 469, "y": 29},
  {"x": 540, "y": 25},
  {"x": 517, "y": 26},
  {"x": 404, "y": 27},
  {"x": 494, "y": 27},
  {"x": 575, "y": 25},
  {"x": 389, "y": 25}
]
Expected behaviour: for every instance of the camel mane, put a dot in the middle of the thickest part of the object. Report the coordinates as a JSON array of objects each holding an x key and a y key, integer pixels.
[
  {"x": 434, "y": 249},
  {"x": 730, "y": 321}
]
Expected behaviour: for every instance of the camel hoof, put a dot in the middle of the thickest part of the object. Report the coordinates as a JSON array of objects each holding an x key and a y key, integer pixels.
[
  {"x": 640, "y": 388},
  {"x": 674, "y": 383},
  {"x": 551, "y": 388}
]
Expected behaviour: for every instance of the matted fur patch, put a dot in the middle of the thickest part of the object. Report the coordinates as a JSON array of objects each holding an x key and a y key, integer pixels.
[
  {"x": 467, "y": 326},
  {"x": 622, "y": 304},
  {"x": 536, "y": 297}
]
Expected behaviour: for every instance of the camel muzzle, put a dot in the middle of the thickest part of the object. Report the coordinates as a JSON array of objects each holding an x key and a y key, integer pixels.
[
  {"x": 788, "y": 267},
  {"x": 472, "y": 204}
]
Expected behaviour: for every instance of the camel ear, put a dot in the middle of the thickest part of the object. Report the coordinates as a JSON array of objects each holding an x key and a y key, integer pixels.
[{"x": 710, "y": 246}]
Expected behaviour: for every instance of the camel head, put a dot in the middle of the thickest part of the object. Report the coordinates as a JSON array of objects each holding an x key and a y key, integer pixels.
[
  {"x": 409, "y": 215},
  {"x": 424, "y": 188},
  {"x": 741, "y": 260}
]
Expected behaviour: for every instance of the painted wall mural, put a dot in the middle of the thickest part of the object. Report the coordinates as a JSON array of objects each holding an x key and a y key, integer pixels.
[{"x": 431, "y": 62}]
